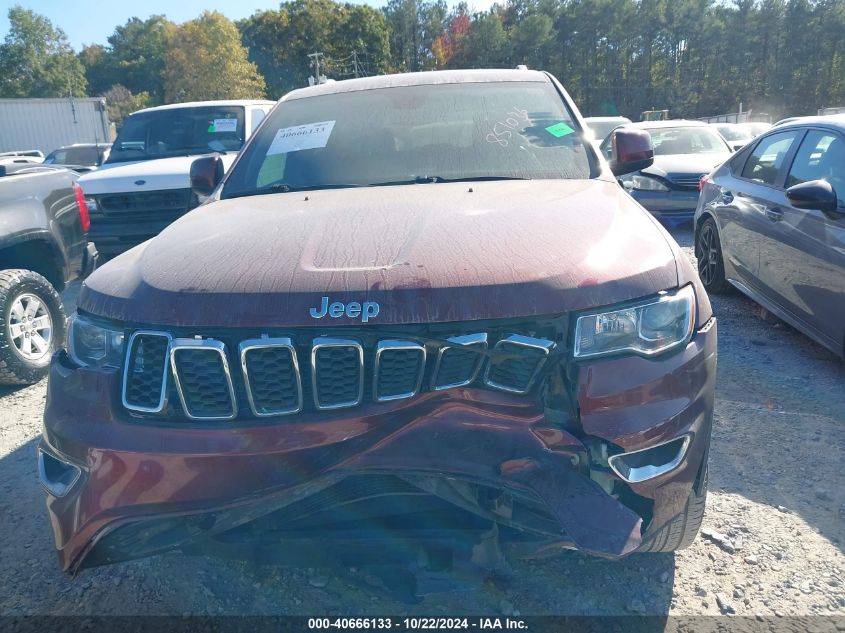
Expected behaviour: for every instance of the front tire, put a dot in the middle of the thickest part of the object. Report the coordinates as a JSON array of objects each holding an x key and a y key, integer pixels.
[
  {"x": 681, "y": 531},
  {"x": 32, "y": 326},
  {"x": 711, "y": 262}
]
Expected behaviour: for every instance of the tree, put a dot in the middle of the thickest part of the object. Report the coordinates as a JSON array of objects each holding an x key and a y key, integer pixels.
[
  {"x": 120, "y": 103},
  {"x": 415, "y": 25},
  {"x": 354, "y": 40},
  {"x": 37, "y": 60},
  {"x": 206, "y": 60},
  {"x": 485, "y": 44}
]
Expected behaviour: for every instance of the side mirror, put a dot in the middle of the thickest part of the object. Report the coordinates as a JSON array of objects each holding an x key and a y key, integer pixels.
[
  {"x": 632, "y": 151},
  {"x": 206, "y": 174},
  {"x": 814, "y": 194}
]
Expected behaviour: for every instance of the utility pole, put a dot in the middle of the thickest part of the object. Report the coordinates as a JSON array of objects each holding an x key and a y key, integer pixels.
[
  {"x": 315, "y": 64},
  {"x": 355, "y": 62}
]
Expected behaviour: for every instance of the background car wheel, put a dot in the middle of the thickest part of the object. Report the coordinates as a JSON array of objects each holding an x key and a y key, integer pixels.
[
  {"x": 32, "y": 326},
  {"x": 711, "y": 265},
  {"x": 681, "y": 531}
]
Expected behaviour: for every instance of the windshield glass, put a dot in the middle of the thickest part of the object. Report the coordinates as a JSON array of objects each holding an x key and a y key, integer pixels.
[
  {"x": 88, "y": 156},
  {"x": 686, "y": 140},
  {"x": 734, "y": 133},
  {"x": 398, "y": 135},
  {"x": 603, "y": 128},
  {"x": 179, "y": 132},
  {"x": 756, "y": 129}
]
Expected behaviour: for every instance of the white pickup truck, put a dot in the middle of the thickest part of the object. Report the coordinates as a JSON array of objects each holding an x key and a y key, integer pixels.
[{"x": 144, "y": 185}]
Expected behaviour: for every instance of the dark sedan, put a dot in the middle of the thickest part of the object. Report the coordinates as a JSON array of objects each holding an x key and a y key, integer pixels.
[
  {"x": 771, "y": 222},
  {"x": 81, "y": 157},
  {"x": 683, "y": 152}
]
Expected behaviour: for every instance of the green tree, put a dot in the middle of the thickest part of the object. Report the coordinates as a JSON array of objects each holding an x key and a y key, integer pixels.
[
  {"x": 354, "y": 40},
  {"x": 415, "y": 25},
  {"x": 484, "y": 45},
  {"x": 120, "y": 103},
  {"x": 206, "y": 60},
  {"x": 36, "y": 59}
]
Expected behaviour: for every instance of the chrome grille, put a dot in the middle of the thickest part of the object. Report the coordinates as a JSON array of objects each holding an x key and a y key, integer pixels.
[
  {"x": 399, "y": 370},
  {"x": 145, "y": 372},
  {"x": 271, "y": 374},
  {"x": 337, "y": 372},
  {"x": 203, "y": 381},
  {"x": 456, "y": 364},
  {"x": 341, "y": 371},
  {"x": 685, "y": 181},
  {"x": 517, "y": 373}
]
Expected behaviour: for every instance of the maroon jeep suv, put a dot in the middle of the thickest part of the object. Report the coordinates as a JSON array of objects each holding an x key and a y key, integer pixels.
[{"x": 418, "y": 319}]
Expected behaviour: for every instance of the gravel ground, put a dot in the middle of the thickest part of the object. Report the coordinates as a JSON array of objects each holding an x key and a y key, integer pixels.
[{"x": 772, "y": 542}]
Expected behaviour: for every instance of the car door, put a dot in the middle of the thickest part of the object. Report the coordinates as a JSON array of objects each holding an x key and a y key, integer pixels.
[
  {"x": 802, "y": 253},
  {"x": 745, "y": 195}
]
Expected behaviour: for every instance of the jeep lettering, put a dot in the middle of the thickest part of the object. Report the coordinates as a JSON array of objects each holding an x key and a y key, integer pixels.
[{"x": 353, "y": 310}]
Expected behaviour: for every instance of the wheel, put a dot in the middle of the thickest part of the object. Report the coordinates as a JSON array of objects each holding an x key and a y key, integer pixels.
[
  {"x": 32, "y": 326},
  {"x": 681, "y": 531},
  {"x": 711, "y": 264}
]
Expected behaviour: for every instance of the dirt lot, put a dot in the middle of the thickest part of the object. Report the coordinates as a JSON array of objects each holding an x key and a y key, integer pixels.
[{"x": 775, "y": 520}]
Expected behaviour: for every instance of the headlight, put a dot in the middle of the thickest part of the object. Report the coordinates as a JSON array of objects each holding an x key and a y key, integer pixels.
[
  {"x": 642, "y": 183},
  {"x": 92, "y": 345},
  {"x": 91, "y": 203},
  {"x": 647, "y": 327}
]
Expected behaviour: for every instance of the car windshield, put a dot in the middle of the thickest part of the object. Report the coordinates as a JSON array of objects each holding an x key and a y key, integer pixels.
[
  {"x": 87, "y": 156},
  {"x": 686, "y": 140},
  {"x": 179, "y": 132},
  {"x": 734, "y": 133},
  {"x": 429, "y": 133},
  {"x": 756, "y": 129},
  {"x": 601, "y": 129}
]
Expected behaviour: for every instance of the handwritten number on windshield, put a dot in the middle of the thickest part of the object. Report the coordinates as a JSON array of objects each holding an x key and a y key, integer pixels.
[{"x": 503, "y": 130}]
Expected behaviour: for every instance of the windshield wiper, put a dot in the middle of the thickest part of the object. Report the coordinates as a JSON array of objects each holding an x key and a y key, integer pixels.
[{"x": 282, "y": 187}]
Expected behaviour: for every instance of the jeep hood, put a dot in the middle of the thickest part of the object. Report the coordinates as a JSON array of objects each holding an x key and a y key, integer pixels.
[
  {"x": 426, "y": 253},
  {"x": 153, "y": 175}
]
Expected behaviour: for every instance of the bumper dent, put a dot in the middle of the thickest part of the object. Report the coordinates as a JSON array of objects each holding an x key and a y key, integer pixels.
[{"x": 495, "y": 457}]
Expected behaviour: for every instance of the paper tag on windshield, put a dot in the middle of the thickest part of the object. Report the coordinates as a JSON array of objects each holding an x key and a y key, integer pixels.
[
  {"x": 223, "y": 125},
  {"x": 295, "y": 139}
]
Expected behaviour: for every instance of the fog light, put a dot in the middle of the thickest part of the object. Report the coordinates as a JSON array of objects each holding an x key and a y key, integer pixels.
[
  {"x": 651, "y": 462},
  {"x": 56, "y": 475}
]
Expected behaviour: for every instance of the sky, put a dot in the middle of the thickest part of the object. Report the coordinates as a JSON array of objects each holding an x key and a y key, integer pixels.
[{"x": 92, "y": 21}]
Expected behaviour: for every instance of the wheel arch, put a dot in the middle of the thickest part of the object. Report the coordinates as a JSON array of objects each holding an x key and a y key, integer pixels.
[{"x": 36, "y": 252}]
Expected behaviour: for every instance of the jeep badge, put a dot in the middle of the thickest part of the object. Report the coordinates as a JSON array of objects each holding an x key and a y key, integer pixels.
[{"x": 368, "y": 310}]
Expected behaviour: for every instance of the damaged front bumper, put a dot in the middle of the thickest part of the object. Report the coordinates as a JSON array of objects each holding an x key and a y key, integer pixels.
[{"x": 444, "y": 467}]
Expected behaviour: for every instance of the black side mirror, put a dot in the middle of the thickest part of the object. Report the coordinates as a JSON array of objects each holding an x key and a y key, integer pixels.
[
  {"x": 814, "y": 194},
  {"x": 632, "y": 151},
  {"x": 206, "y": 174}
]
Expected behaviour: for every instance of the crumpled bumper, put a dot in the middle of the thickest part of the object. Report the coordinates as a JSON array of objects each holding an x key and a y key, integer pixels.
[{"x": 213, "y": 477}]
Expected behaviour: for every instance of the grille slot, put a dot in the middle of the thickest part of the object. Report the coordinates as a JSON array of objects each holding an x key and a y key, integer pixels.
[
  {"x": 517, "y": 374},
  {"x": 145, "y": 372},
  {"x": 399, "y": 369},
  {"x": 202, "y": 377},
  {"x": 337, "y": 372},
  {"x": 457, "y": 366},
  {"x": 271, "y": 376}
]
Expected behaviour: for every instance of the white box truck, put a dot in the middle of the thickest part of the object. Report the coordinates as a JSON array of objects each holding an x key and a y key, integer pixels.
[{"x": 47, "y": 124}]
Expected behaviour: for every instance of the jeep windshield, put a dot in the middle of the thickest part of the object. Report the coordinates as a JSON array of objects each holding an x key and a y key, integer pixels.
[
  {"x": 414, "y": 134},
  {"x": 179, "y": 132}
]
